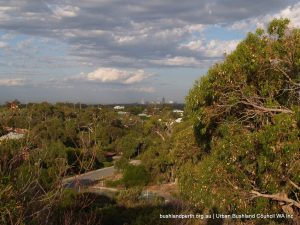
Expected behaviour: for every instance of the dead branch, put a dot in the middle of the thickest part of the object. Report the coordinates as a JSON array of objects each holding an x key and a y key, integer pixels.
[
  {"x": 281, "y": 197},
  {"x": 295, "y": 185},
  {"x": 278, "y": 69},
  {"x": 159, "y": 134},
  {"x": 266, "y": 109}
]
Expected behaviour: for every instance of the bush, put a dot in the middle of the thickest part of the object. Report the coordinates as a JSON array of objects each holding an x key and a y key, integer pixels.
[
  {"x": 246, "y": 122},
  {"x": 121, "y": 163},
  {"x": 135, "y": 176}
]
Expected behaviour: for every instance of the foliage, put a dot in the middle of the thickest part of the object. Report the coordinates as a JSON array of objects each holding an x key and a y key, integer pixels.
[
  {"x": 64, "y": 139},
  {"x": 129, "y": 144},
  {"x": 245, "y": 115},
  {"x": 136, "y": 110},
  {"x": 135, "y": 176}
]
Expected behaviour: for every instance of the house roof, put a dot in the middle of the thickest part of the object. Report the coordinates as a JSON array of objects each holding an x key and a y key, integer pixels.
[
  {"x": 109, "y": 154},
  {"x": 11, "y": 136}
]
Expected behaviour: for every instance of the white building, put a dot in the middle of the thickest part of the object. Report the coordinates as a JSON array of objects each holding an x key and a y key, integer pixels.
[
  {"x": 11, "y": 136},
  {"x": 179, "y": 120},
  {"x": 144, "y": 115},
  {"x": 123, "y": 113},
  {"x": 178, "y": 111},
  {"x": 117, "y": 107}
]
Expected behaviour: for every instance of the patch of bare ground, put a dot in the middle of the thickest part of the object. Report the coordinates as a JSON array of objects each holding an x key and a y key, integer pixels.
[{"x": 168, "y": 191}]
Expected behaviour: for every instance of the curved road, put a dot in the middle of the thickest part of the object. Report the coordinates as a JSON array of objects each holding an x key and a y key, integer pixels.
[{"x": 88, "y": 178}]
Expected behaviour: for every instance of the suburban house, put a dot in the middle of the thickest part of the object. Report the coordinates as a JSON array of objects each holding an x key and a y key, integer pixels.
[
  {"x": 123, "y": 113},
  {"x": 13, "y": 133},
  {"x": 117, "y": 107},
  {"x": 178, "y": 111}
]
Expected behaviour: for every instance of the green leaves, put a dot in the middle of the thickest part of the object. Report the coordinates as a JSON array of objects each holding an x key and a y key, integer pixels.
[
  {"x": 245, "y": 111},
  {"x": 278, "y": 27},
  {"x": 135, "y": 176}
]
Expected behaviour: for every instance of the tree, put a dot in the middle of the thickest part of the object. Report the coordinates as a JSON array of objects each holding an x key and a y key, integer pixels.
[
  {"x": 246, "y": 121},
  {"x": 129, "y": 144},
  {"x": 135, "y": 110},
  {"x": 135, "y": 176}
]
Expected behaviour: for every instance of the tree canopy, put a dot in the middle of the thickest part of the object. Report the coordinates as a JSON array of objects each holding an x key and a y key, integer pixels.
[{"x": 245, "y": 112}]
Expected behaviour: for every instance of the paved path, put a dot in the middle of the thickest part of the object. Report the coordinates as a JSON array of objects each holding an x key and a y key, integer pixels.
[
  {"x": 87, "y": 182},
  {"x": 91, "y": 177},
  {"x": 88, "y": 178}
]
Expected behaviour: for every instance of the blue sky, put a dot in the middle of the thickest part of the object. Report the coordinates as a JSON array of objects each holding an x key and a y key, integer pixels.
[{"x": 103, "y": 51}]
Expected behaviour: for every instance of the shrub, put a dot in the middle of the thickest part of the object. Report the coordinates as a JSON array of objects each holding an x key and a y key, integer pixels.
[{"x": 135, "y": 176}]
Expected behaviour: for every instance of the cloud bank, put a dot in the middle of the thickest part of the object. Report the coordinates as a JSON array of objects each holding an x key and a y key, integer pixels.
[
  {"x": 136, "y": 33},
  {"x": 12, "y": 82},
  {"x": 112, "y": 75},
  {"x": 120, "y": 44}
]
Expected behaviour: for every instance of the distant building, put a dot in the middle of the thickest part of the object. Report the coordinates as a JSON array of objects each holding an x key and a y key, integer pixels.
[
  {"x": 11, "y": 136},
  {"x": 117, "y": 107},
  {"x": 178, "y": 111},
  {"x": 123, "y": 113},
  {"x": 109, "y": 155},
  {"x": 144, "y": 115},
  {"x": 179, "y": 120},
  {"x": 15, "y": 130}
]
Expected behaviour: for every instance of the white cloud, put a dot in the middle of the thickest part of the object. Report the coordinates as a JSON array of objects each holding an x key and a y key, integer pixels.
[
  {"x": 212, "y": 48},
  {"x": 136, "y": 77},
  {"x": 12, "y": 82},
  {"x": 195, "y": 28},
  {"x": 195, "y": 45},
  {"x": 130, "y": 33},
  {"x": 66, "y": 11},
  {"x": 177, "y": 61},
  {"x": 291, "y": 12},
  {"x": 253, "y": 23},
  {"x": 112, "y": 75},
  {"x": 92, "y": 33},
  {"x": 3, "y": 44},
  {"x": 216, "y": 48},
  {"x": 240, "y": 25},
  {"x": 124, "y": 39}
]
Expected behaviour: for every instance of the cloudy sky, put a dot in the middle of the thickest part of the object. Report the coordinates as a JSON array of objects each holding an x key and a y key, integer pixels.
[{"x": 113, "y": 51}]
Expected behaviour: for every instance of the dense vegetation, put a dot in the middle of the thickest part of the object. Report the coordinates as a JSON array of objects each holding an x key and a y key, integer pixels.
[
  {"x": 67, "y": 139},
  {"x": 245, "y": 115},
  {"x": 236, "y": 151}
]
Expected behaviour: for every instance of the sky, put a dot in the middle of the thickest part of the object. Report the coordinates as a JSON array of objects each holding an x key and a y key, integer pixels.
[{"x": 121, "y": 51}]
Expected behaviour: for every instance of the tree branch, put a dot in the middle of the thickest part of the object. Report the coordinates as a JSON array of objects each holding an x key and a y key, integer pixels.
[
  {"x": 159, "y": 134},
  {"x": 266, "y": 109},
  {"x": 295, "y": 185},
  {"x": 281, "y": 197}
]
